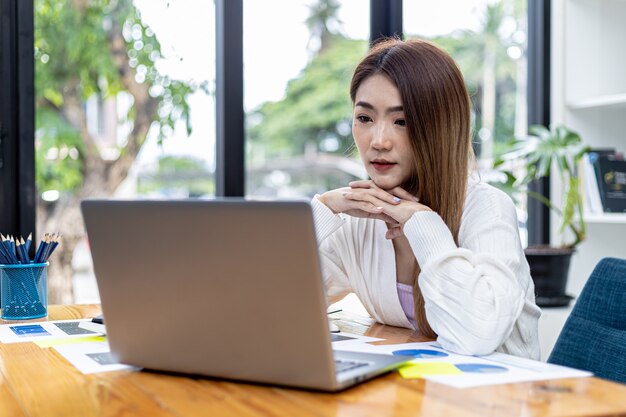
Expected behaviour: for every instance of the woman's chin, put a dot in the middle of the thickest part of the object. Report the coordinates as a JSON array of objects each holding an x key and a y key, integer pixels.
[{"x": 385, "y": 183}]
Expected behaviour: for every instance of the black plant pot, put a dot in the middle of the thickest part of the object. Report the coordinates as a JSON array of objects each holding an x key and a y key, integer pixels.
[{"x": 549, "y": 269}]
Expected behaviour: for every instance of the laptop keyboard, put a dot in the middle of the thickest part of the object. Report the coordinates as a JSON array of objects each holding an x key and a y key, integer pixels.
[{"x": 342, "y": 365}]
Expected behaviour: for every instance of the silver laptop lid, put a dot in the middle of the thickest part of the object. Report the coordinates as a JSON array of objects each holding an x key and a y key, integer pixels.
[{"x": 227, "y": 288}]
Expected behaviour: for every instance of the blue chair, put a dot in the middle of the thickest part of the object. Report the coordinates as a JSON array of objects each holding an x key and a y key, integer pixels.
[{"x": 594, "y": 335}]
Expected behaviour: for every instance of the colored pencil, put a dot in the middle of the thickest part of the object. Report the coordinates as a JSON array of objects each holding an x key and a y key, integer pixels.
[
  {"x": 20, "y": 252},
  {"x": 40, "y": 248},
  {"x": 53, "y": 245},
  {"x": 4, "y": 256},
  {"x": 25, "y": 257},
  {"x": 15, "y": 250},
  {"x": 10, "y": 252},
  {"x": 29, "y": 240}
]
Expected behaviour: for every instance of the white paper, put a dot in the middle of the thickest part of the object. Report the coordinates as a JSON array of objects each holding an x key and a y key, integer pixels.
[
  {"x": 94, "y": 327},
  {"x": 505, "y": 369},
  {"x": 41, "y": 330},
  {"x": 342, "y": 339},
  {"x": 91, "y": 357}
]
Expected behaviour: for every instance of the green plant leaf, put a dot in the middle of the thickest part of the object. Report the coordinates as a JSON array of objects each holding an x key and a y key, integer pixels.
[
  {"x": 543, "y": 149},
  {"x": 571, "y": 199}
]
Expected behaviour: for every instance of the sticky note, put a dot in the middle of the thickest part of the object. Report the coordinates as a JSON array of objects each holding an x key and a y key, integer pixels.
[
  {"x": 421, "y": 369},
  {"x": 69, "y": 340}
]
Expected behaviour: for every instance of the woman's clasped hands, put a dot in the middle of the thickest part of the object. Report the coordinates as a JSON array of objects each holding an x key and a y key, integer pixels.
[{"x": 365, "y": 199}]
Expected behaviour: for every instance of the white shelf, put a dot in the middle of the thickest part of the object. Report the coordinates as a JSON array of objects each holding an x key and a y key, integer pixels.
[
  {"x": 600, "y": 102},
  {"x": 606, "y": 218}
]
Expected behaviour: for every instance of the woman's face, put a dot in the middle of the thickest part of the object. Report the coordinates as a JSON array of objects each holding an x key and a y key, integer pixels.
[{"x": 380, "y": 133}]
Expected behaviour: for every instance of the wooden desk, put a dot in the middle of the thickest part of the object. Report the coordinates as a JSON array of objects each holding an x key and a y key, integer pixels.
[{"x": 39, "y": 382}]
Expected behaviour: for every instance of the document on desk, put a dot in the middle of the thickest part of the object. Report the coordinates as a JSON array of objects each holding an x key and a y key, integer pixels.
[
  {"x": 433, "y": 363},
  {"x": 91, "y": 357},
  {"x": 37, "y": 331},
  {"x": 342, "y": 338},
  {"x": 94, "y": 355}
]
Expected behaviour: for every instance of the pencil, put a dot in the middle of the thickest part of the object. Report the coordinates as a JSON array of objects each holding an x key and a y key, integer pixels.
[
  {"x": 4, "y": 256},
  {"x": 12, "y": 243},
  {"x": 42, "y": 246},
  {"x": 25, "y": 257},
  {"x": 20, "y": 251},
  {"x": 29, "y": 240},
  {"x": 45, "y": 254},
  {"x": 53, "y": 245},
  {"x": 10, "y": 253}
]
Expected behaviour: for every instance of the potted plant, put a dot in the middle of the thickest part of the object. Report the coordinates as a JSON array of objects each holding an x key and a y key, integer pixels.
[{"x": 557, "y": 150}]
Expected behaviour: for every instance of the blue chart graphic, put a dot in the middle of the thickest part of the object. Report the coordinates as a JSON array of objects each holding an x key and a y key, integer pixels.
[
  {"x": 420, "y": 353},
  {"x": 29, "y": 330},
  {"x": 479, "y": 368}
]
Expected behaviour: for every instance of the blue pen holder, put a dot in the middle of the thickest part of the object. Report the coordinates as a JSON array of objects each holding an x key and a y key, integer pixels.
[{"x": 24, "y": 291}]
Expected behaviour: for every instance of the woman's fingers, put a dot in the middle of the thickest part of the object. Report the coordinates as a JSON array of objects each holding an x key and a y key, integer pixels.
[
  {"x": 355, "y": 202},
  {"x": 368, "y": 187},
  {"x": 334, "y": 199},
  {"x": 368, "y": 201},
  {"x": 368, "y": 214},
  {"x": 361, "y": 184},
  {"x": 393, "y": 196},
  {"x": 403, "y": 194},
  {"x": 369, "y": 207}
]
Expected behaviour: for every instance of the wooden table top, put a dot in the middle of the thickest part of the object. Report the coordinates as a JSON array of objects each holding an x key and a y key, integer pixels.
[{"x": 37, "y": 381}]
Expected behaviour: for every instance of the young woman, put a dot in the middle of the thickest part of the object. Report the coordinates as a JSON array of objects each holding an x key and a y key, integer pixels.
[{"x": 423, "y": 243}]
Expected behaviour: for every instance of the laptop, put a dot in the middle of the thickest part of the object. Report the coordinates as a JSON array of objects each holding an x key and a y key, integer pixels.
[{"x": 227, "y": 288}]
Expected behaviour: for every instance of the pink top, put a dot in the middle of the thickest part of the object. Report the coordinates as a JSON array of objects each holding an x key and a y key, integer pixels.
[{"x": 405, "y": 294}]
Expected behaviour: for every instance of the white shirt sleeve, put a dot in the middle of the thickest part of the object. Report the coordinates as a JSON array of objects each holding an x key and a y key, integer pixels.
[
  {"x": 334, "y": 273},
  {"x": 474, "y": 292}
]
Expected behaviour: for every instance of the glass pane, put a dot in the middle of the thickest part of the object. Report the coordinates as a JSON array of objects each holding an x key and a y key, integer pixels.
[
  {"x": 298, "y": 65},
  {"x": 487, "y": 38},
  {"x": 124, "y": 109}
]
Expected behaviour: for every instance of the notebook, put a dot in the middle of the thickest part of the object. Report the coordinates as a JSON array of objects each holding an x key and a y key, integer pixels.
[{"x": 225, "y": 288}]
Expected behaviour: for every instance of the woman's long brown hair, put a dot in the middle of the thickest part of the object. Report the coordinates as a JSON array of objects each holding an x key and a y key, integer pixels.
[{"x": 437, "y": 112}]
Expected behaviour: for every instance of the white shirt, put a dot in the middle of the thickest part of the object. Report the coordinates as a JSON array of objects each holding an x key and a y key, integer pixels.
[{"x": 479, "y": 296}]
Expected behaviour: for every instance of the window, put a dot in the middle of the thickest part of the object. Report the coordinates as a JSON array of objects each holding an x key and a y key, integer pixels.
[
  {"x": 124, "y": 108},
  {"x": 298, "y": 112},
  {"x": 282, "y": 58},
  {"x": 488, "y": 40}
]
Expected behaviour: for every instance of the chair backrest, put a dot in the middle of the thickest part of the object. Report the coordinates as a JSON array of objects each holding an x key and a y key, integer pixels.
[{"x": 594, "y": 335}]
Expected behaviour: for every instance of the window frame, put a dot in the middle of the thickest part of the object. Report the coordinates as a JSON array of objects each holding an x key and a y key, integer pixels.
[{"x": 17, "y": 118}]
